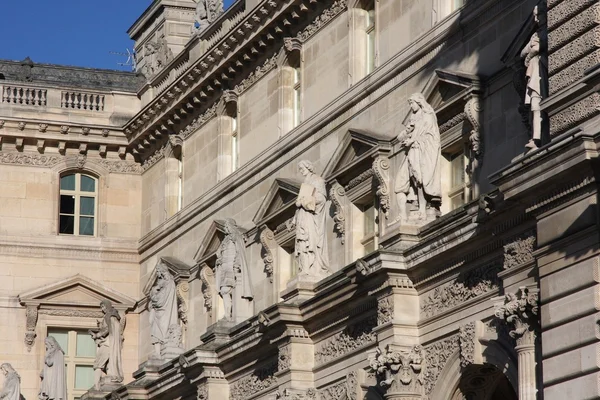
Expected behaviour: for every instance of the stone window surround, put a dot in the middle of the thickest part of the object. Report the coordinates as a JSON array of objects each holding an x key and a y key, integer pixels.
[
  {"x": 272, "y": 219},
  {"x": 229, "y": 134},
  {"x": 77, "y": 194},
  {"x": 290, "y": 63},
  {"x": 354, "y": 182},
  {"x": 70, "y": 164},
  {"x": 357, "y": 13}
]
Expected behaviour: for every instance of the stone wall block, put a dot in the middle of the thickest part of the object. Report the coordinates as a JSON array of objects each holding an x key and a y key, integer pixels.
[
  {"x": 575, "y": 50},
  {"x": 573, "y": 72},
  {"x": 573, "y": 28},
  {"x": 571, "y": 116},
  {"x": 562, "y": 10}
]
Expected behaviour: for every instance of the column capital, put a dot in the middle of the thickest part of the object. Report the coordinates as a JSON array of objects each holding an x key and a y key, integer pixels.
[{"x": 521, "y": 311}]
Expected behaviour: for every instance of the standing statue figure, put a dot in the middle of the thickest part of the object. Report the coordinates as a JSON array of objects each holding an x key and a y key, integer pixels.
[
  {"x": 109, "y": 341},
  {"x": 206, "y": 12},
  {"x": 162, "y": 307},
  {"x": 12, "y": 383},
  {"x": 536, "y": 62},
  {"x": 420, "y": 168},
  {"x": 54, "y": 377},
  {"x": 232, "y": 265},
  {"x": 309, "y": 222}
]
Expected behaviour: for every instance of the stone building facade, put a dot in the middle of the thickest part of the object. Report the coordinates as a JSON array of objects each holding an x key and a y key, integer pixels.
[{"x": 249, "y": 202}]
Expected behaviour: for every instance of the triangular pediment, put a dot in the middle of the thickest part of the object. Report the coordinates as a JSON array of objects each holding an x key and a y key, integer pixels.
[
  {"x": 513, "y": 53},
  {"x": 356, "y": 146},
  {"x": 211, "y": 242},
  {"x": 77, "y": 291},
  {"x": 177, "y": 268},
  {"x": 445, "y": 87},
  {"x": 281, "y": 196}
]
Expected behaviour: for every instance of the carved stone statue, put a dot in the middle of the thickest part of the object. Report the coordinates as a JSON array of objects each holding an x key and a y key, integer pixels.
[
  {"x": 536, "y": 62},
  {"x": 162, "y": 307},
  {"x": 232, "y": 265},
  {"x": 109, "y": 341},
  {"x": 206, "y": 12},
  {"x": 158, "y": 54},
  {"x": 309, "y": 223},
  {"x": 12, "y": 383},
  {"x": 53, "y": 375},
  {"x": 419, "y": 171}
]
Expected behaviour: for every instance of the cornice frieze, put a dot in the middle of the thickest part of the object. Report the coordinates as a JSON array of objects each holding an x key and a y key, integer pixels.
[{"x": 69, "y": 252}]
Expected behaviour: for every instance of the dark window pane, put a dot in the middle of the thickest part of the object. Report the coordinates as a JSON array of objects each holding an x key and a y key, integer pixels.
[
  {"x": 67, "y": 182},
  {"x": 86, "y": 206},
  {"x": 67, "y": 222},
  {"x": 87, "y": 184},
  {"x": 67, "y": 204},
  {"x": 86, "y": 226}
]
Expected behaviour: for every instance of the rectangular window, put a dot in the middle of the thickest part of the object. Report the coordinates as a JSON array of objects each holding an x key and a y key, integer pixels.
[
  {"x": 370, "y": 31},
  {"x": 180, "y": 185},
  {"x": 235, "y": 144},
  {"x": 369, "y": 240},
  {"x": 80, "y": 353},
  {"x": 457, "y": 180},
  {"x": 297, "y": 96}
]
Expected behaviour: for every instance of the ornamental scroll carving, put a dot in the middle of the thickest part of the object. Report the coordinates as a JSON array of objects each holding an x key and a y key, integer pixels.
[
  {"x": 343, "y": 390},
  {"x": 183, "y": 289},
  {"x": 202, "y": 392},
  {"x": 519, "y": 251},
  {"x": 472, "y": 284},
  {"x": 31, "y": 313},
  {"x": 381, "y": 168},
  {"x": 266, "y": 238},
  {"x": 337, "y": 194},
  {"x": 258, "y": 381},
  {"x": 473, "y": 114},
  {"x": 36, "y": 160},
  {"x": 294, "y": 394},
  {"x": 207, "y": 277},
  {"x": 347, "y": 341},
  {"x": 385, "y": 310},
  {"x": 284, "y": 358},
  {"x": 520, "y": 311},
  {"x": 259, "y": 72}
]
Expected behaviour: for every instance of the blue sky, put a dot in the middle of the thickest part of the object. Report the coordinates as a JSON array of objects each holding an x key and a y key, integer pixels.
[{"x": 71, "y": 32}]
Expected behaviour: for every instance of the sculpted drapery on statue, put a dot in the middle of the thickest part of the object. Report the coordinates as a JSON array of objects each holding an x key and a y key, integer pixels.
[
  {"x": 109, "y": 341},
  {"x": 12, "y": 383},
  {"x": 419, "y": 171},
  {"x": 162, "y": 307},
  {"x": 231, "y": 265},
  {"x": 309, "y": 223},
  {"x": 206, "y": 12},
  {"x": 536, "y": 62},
  {"x": 53, "y": 375}
]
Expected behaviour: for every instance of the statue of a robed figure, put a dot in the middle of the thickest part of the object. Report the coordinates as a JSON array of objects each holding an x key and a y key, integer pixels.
[
  {"x": 535, "y": 58},
  {"x": 231, "y": 267},
  {"x": 53, "y": 375},
  {"x": 418, "y": 178},
  {"x": 163, "y": 310},
  {"x": 108, "y": 366},
  {"x": 309, "y": 224},
  {"x": 12, "y": 383}
]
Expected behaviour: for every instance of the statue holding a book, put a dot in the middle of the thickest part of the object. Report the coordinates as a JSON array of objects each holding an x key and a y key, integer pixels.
[{"x": 309, "y": 222}]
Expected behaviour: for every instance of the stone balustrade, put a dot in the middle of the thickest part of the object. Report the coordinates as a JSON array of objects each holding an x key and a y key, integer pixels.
[
  {"x": 28, "y": 96},
  {"x": 82, "y": 101}
]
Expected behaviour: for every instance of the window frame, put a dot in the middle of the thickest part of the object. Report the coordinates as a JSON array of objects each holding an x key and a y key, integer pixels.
[
  {"x": 455, "y": 191},
  {"x": 78, "y": 194},
  {"x": 371, "y": 38}
]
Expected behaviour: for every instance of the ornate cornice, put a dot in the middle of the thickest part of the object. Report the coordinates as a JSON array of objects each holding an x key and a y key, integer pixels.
[
  {"x": 338, "y": 7},
  {"x": 69, "y": 252},
  {"x": 34, "y": 160}
]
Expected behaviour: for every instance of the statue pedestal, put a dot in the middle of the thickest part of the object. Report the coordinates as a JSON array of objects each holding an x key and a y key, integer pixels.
[
  {"x": 170, "y": 352},
  {"x": 105, "y": 390},
  {"x": 300, "y": 289}
]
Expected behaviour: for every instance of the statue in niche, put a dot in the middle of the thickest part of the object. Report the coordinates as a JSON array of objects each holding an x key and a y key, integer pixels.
[
  {"x": 162, "y": 307},
  {"x": 108, "y": 366},
  {"x": 158, "y": 54},
  {"x": 535, "y": 58},
  {"x": 206, "y": 12},
  {"x": 232, "y": 265},
  {"x": 12, "y": 383},
  {"x": 53, "y": 375},
  {"x": 309, "y": 223},
  {"x": 418, "y": 177}
]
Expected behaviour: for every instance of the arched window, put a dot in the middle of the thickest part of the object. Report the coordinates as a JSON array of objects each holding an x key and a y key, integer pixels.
[{"x": 78, "y": 205}]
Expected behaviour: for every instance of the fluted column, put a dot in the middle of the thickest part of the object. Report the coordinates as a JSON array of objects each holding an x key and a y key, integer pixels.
[{"x": 520, "y": 311}]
